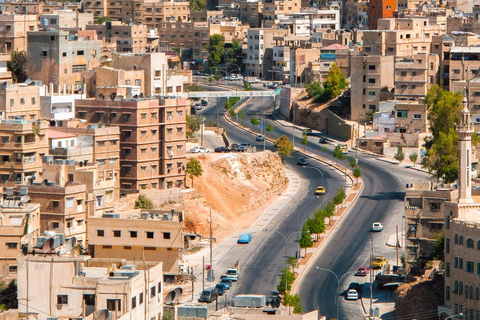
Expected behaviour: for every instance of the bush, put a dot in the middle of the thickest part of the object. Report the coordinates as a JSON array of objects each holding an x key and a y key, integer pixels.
[
  {"x": 143, "y": 202},
  {"x": 255, "y": 121}
]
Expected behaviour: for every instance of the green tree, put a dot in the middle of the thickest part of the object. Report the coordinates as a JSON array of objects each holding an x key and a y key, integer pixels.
[
  {"x": 216, "y": 51},
  {"x": 284, "y": 146},
  {"x": 335, "y": 82},
  {"x": 305, "y": 240},
  {"x": 241, "y": 115},
  {"x": 101, "y": 20},
  {"x": 247, "y": 86},
  {"x": 193, "y": 169},
  {"x": 413, "y": 157},
  {"x": 18, "y": 65},
  {"x": 234, "y": 57},
  {"x": 304, "y": 141},
  {"x": 357, "y": 174},
  {"x": 286, "y": 279},
  {"x": 270, "y": 128},
  {"x": 337, "y": 153},
  {"x": 438, "y": 246},
  {"x": 255, "y": 121},
  {"x": 8, "y": 295},
  {"x": 353, "y": 163},
  {"x": 330, "y": 210},
  {"x": 194, "y": 122},
  {"x": 316, "y": 226},
  {"x": 143, "y": 202},
  {"x": 293, "y": 301},
  {"x": 400, "y": 156},
  {"x": 441, "y": 156},
  {"x": 198, "y": 5},
  {"x": 293, "y": 263},
  {"x": 339, "y": 196},
  {"x": 193, "y": 87}
]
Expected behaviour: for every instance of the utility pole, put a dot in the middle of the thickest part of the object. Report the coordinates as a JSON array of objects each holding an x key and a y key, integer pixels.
[
  {"x": 371, "y": 281},
  {"x": 397, "y": 244},
  {"x": 293, "y": 125},
  {"x": 203, "y": 273}
]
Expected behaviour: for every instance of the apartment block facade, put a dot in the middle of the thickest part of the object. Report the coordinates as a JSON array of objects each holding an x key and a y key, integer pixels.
[
  {"x": 152, "y": 139},
  {"x": 152, "y": 235},
  {"x": 372, "y": 82},
  {"x": 13, "y": 31},
  {"x": 125, "y": 37}
]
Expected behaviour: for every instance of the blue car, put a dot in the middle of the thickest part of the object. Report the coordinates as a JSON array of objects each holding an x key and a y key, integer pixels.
[
  {"x": 221, "y": 288},
  {"x": 226, "y": 282},
  {"x": 245, "y": 238}
]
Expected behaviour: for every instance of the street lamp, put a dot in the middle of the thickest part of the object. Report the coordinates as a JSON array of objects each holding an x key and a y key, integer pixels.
[
  {"x": 338, "y": 284},
  {"x": 296, "y": 218}
]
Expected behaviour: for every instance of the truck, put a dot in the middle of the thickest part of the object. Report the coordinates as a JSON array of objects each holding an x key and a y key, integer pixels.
[{"x": 233, "y": 272}]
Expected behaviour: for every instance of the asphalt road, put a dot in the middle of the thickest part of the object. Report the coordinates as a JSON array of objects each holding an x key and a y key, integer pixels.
[{"x": 347, "y": 248}]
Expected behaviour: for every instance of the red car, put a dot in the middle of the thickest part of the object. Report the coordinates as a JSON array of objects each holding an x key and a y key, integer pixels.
[{"x": 362, "y": 271}]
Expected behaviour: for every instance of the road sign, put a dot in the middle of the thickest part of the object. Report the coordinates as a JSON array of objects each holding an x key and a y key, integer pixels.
[{"x": 261, "y": 126}]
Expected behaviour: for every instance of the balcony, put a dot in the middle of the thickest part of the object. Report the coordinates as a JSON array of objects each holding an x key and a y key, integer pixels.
[{"x": 412, "y": 213}]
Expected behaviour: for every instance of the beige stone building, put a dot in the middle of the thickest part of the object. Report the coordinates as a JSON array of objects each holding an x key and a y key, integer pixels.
[
  {"x": 19, "y": 226},
  {"x": 88, "y": 292},
  {"x": 464, "y": 63},
  {"x": 66, "y": 19},
  {"x": 23, "y": 144},
  {"x": 133, "y": 38},
  {"x": 36, "y": 7},
  {"x": 473, "y": 96},
  {"x": 20, "y": 101},
  {"x": 107, "y": 82},
  {"x": 415, "y": 75},
  {"x": 13, "y": 31},
  {"x": 152, "y": 139},
  {"x": 273, "y": 9},
  {"x": 153, "y": 235},
  {"x": 372, "y": 81}
]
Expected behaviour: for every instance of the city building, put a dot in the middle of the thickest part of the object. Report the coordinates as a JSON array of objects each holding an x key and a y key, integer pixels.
[
  {"x": 372, "y": 81},
  {"x": 23, "y": 144},
  {"x": 20, "y": 101},
  {"x": 274, "y": 9},
  {"x": 85, "y": 292},
  {"x": 473, "y": 95},
  {"x": 58, "y": 106},
  {"x": 66, "y": 19},
  {"x": 133, "y": 38},
  {"x": 152, "y": 139},
  {"x": 59, "y": 57},
  {"x": 13, "y": 31},
  {"x": 149, "y": 235},
  {"x": 380, "y": 9},
  {"x": 464, "y": 63}
]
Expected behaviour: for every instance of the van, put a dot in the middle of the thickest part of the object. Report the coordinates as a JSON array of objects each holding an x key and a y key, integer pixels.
[{"x": 208, "y": 295}]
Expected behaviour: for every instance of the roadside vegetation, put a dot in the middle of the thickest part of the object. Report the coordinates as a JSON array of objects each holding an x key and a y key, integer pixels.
[{"x": 331, "y": 88}]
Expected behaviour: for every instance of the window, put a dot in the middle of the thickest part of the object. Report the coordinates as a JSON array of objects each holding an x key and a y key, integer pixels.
[
  {"x": 435, "y": 206},
  {"x": 470, "y": 267},
  {"x": 149, "y": 234},
  {"x": 143, "y": 168},
  {"x": 80, "y": 53},
  {"x": 100, "y": 233},
  {"x": 371, "y": 80},
  {"x": 447, "y": 293},
  {"x": 460, "y": 288},
  {"x": 5, "y": 139},
  {"x": 371, "y": 93},
  {"x": 113, "y": 304},
  {"x": 12, "y": 245},
  {"x": 371, "y": 67},
  {"x": 456, "y": 240},
  {"x": 159, "y": 287},
  {"x": 403, "y": 73},
  {"x": 62, "y": 299},
  {"x": 469, "y": 243},
  {"x": 69, "y": 202},
  {"x": 44, "y": 53},
  {"x": 154, "y": 150},
  {"x": 134, "y": 302},
  {"x": 401, "y": 113},
  {"x": 143, "y": 116},
  {"x": 455, "y": 262},
  {"x": 166, "y": 235},
  {"x": 460, "y": 263},
  {"x": 138, "y": 82},
  {"x": 447, "y": 245},
  {"x": 127, "y": 247},
  {"x": 117, "y": 233},
  {"x": 417, "y": 116},
  {"x": 133, "y": 234},
  {"x": 447, "y": 269},
  {"x": 154, "y": 115},
  {"x": 101, "y": 143},
  {"x": 152, "y": 292},
  {"x": 140, "y": 297},
  {"x": 460, "y": 240}
]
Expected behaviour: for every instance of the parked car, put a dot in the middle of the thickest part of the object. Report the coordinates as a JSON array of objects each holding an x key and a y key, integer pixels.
[
  {"x": 199, "y": 149},
  {"x": 323, "y": 140},
  {"x": 245, "y": 238},
  {"x": 377, "y": 227},
  {"x": 204, "y": 102},
  {"x": 235, "y": 147},
  {"x": 208, "y": 295},
  {"x": 227, "y": 282},
  {"x": 302, "y": 161},
  {"x": 320, "y": 191},
  {"x": 260, "y": 138},
  {"x": 356, "y": 286},
  {"x": 362, "y": 271},
  {"x": 352, "y": 294},
  {"x": 308, "y": 132},
  {"x": 198, "y": 105},
  {"x": 221, "y": 287},
  {"x": 378, "y": 262},
  {"x": 221, "y": 149}
]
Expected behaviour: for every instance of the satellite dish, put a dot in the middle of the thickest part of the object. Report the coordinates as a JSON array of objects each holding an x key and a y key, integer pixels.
[
  {"x": 24, "y": 250},
  {"x": 48, "y": 245},
  {"x": 28, "y": 81},
  {"x": 170, "y": 297},
  {"x": 103, "y": 314},
  {"x": 178, "y": 293},
  {"x": 26, "y": 239},
  {"x": 74, "y": 241},
  {"x": 68, "y": 245}
]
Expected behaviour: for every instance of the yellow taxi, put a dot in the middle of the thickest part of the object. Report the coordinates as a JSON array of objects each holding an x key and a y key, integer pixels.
[
  {"x": 320, "y": 191},
  {"x": 378, "y": 262}
]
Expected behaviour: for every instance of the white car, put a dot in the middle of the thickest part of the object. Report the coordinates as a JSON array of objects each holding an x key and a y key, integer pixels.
[
  {"x": 199, "y": 150},
  {"x": 377, "y": 227},
  {"x": 352, "y": 294}
]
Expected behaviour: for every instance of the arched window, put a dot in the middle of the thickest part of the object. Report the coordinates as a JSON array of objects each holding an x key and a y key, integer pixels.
[
  {"x": 456, "y": 239},
  {"x": 467, "y": 291},
  {"x": 471, "y": 291},
  {"x": 469, "y": 243},
  {"x": 455, "y": 287},
  {"x": 460, "y": 288},
  {"x": 460, "y": 240},
  {"x": 478, "y": 245}
]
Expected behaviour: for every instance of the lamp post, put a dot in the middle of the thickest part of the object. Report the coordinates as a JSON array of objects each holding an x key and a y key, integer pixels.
[
  {"x": 296, "y": 220},
  {"x": 338, "y": 284}
]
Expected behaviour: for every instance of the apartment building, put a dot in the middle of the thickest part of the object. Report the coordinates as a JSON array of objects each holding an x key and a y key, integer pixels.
[
  {"x": 424, "y": 220},
  {"x": 415, "y": 75},
  {"x": 464, "y": 63},
  {"x": 473, "y": 96},
  {"x": 13, "y": 31},
  {"x": 247, "y": 12},
  {"x": 380, "y": 9},
  {"x": 110, "y": 83},
  {"x": 58, "y": 106},
  {"x": 334, "y": 53},
  {"x": 274, "y": 9},
  {"x": 372, "y": 79},
  {"x": 66, "y": 19},
  {"x": 158, "y": 79},
  {"x": 59, "y": 57},
  {"x": 152, "y": 139},
  {"x": 175, "y": 35},
  {"x": 356, "y": 14},
  {"x": 5, "y": 74},
  {"x": 410, "y": 118},
  {"x": 23, "y": 143},
  {"x": 152, "y": 235},
  {"x": 20, "y": 101},
  {"x": 85, "y": 292},
  {"x": 462, "y": 236},
  {"x": 36, "y": 7},
  {"x": 125, "y": 37},
  {"x": 19, "y": 226}
]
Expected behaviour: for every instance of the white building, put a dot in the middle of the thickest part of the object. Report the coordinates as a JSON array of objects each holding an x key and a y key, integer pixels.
[
  {"x": 62, "y": 287},
  {"x": 58, "y": 106},
  {"x": 254, "y": 53}
]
